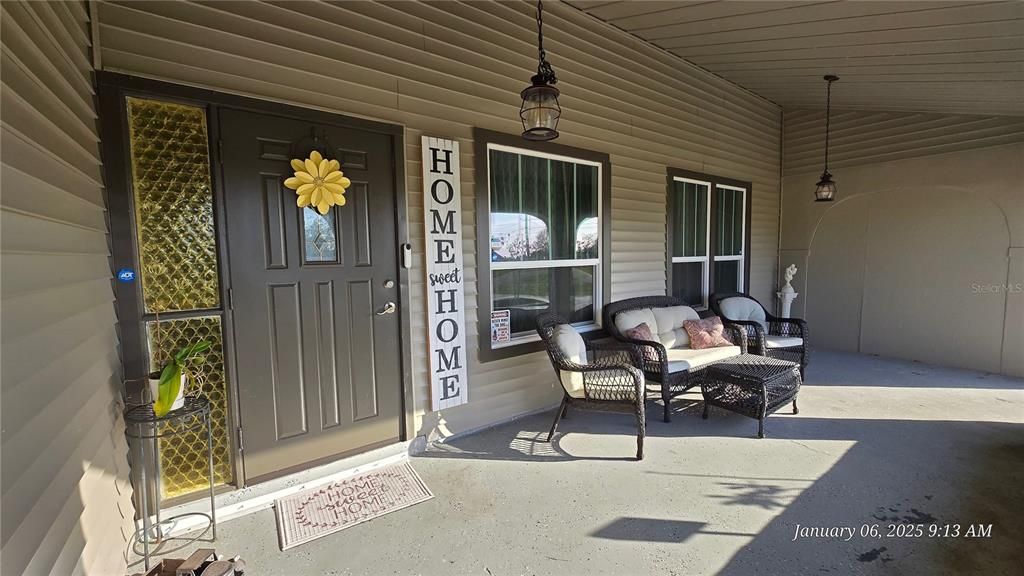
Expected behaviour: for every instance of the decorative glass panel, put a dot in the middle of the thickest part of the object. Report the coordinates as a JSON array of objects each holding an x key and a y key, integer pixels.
[
  {"x": 729, "y": 220},
  {"x": 321, "y": 236},
  {"x": 183, "y": 457},
  {"x": 727, "y": 275},
  {"x": 689, "y": 219},
  {"x": 688, "y": 282},
  {"x": 528, "y": 292},
  {"x": 174, "y": 205}
]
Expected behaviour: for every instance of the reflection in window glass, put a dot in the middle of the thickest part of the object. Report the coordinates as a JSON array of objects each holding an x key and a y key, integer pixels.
[
  {"x": 517, "y": 237},
  {"x": 528, "y": 292},
  {"x": 320, "y": 234},
  {"x": 586, "y": 239},
  {"x": 540, "y": 206},
  {"x": 545, "y": 238}
]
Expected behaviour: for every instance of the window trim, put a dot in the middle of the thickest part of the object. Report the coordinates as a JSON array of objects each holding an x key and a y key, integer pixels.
[
  {"x": 485, "y": 140},
  {"x": 714, "y": 183}
]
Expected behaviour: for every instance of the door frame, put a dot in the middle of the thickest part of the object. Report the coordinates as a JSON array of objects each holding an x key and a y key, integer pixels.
[{"x": 112, "y": 89}]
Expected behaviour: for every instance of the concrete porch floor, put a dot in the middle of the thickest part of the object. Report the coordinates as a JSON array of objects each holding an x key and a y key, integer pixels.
[{"x": 877, "y": 441}]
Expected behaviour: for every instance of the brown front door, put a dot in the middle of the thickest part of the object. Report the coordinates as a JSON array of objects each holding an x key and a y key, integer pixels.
[{"x": 314, "y": 298}]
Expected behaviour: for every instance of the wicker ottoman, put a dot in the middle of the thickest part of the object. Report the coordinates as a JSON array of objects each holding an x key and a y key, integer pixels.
[{"x": 754, "y": 386}]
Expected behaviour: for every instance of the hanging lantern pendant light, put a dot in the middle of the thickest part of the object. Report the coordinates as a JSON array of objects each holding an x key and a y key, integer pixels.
[
  {"x": 826, "y": 189},
  {"x": 540, "y": 110}
]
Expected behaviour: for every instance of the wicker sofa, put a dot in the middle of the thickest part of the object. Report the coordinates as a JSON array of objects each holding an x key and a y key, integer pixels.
[{"x": 669, "y": 361}]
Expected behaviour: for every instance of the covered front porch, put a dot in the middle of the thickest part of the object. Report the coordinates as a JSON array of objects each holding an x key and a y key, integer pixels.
[
  {"x": 877, "y": 442},
  {"x": 323, "y": 237}
]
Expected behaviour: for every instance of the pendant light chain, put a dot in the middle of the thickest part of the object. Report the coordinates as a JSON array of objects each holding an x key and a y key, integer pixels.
[
  {"x": 544, "y": 70},
  {"x": 828, "y": 119}
]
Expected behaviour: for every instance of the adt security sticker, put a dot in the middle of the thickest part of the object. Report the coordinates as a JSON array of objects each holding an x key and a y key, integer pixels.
[{"x": 126, "y": 275}]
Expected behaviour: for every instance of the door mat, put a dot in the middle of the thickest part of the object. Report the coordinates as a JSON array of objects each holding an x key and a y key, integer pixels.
[{"x": 327, "y": 509}]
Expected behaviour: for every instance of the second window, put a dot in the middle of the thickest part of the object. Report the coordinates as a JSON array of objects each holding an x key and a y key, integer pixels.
[{"x": 708, "y": 233}]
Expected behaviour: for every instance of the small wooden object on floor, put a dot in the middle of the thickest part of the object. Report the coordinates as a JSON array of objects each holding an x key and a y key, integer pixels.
[{"x": 202, "y": 562}]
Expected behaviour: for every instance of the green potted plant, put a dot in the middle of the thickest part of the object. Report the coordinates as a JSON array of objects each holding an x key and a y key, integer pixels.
[{"x": 169, "y": 383}]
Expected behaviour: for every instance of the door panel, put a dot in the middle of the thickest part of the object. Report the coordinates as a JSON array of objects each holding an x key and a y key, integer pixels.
[
  {"x": 319, "y": 372},
  {"x": 285, "y": 330}
]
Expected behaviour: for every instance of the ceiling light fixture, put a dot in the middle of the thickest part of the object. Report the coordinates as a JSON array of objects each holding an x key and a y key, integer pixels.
[
  {"x": 540, "y": 110},
  {"x": 826, "y": 190}
]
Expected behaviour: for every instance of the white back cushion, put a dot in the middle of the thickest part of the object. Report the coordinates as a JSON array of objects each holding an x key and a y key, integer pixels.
[
  {"x": 670, "y": 325},
  {"x": 574, "y": 348},
  {"x": 739, "y": 308},
  {"x": 633, "y": 318}
]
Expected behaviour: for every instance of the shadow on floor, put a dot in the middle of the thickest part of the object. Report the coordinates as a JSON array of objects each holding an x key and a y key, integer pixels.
[
  {"x": 648, "y": 530},
  {"x": 887, "y": 481},
  {"x": 880, "y": 477}
]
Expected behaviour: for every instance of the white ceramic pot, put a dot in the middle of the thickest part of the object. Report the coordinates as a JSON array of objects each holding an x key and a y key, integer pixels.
[{"x": 154, "y": 390}]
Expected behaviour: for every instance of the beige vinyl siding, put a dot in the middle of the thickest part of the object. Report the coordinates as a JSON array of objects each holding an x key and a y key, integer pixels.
[
  {"x": 860, "y": 137},
  {"x": 441, "y": 69},
  {"x": 66, "y": 496}
]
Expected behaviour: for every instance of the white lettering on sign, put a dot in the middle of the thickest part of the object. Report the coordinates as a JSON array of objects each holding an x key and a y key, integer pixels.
[{"x": 446, "y": 300}]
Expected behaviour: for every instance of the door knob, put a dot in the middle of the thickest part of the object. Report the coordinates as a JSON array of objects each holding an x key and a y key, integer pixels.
[{"x": 389, "y": 308}]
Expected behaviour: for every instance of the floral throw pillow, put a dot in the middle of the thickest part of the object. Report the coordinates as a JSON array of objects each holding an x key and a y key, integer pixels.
[
  {"x": 706, "y": 333},
  {"x": 643, "y": 332}
]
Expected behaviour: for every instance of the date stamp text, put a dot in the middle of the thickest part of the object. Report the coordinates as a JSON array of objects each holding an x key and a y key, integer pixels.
[{"x": 894, "y": 530}]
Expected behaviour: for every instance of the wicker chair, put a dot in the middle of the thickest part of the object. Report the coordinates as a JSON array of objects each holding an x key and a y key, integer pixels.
[
  {"x": 608, "y": 382},
  {"x": 785, "y": 338},
  {"x": 654, "y": 356}
]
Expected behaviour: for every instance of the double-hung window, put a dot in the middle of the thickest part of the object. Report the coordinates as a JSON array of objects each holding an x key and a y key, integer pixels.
[
  {"x": 708, "y": 233},
  {"x": 544, "y": 242}
]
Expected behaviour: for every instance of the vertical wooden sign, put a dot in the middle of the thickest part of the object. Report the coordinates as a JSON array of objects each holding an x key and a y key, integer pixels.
[{"x": 446, "y": 299}]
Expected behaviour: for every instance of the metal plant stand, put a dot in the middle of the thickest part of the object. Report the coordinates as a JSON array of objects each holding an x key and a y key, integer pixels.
[{"x": 146, "y": 428}]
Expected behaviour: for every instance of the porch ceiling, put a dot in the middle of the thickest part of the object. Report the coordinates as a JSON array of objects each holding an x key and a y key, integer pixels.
[{"x": 952, "y": 57}]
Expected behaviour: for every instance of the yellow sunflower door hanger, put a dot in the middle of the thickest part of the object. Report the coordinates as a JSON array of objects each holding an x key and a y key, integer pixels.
[{"x": 318, "y": 182}]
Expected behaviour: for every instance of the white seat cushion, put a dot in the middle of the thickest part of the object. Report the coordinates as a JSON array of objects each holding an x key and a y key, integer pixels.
[
  {"x": 740, "y": 308},
  {"x": 632, "y": 318},
  {"x": 670, "y": 325},
  {"x": 574, "y": 348},
  {"x": 783, "y": 341},
  {"x": 685, "y": 358}
]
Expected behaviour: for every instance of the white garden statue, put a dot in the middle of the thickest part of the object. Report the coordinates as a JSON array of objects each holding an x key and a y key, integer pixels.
[
  {"x": 787, "y": 294},
  {"x": 790, "y": 273}
]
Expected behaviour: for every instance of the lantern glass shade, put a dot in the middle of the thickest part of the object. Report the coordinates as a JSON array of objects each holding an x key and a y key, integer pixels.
[
  {"x": 540, "y": 112},
  {"x": 826, "y": 190}
]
